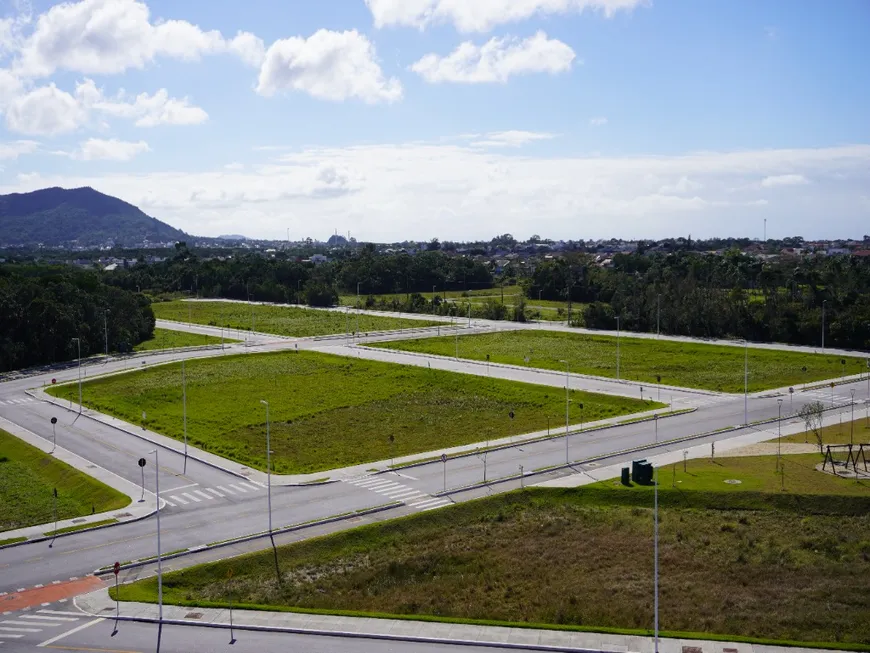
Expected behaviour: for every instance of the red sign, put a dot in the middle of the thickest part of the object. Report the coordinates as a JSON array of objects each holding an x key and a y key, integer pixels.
[
  {"x": 53, "y": 381},
  {"x": 117, "y": 568}
]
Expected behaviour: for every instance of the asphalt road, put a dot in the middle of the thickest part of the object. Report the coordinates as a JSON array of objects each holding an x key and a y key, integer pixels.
[
  {"x": 204, "y": 507},
  {"x": 96, "y": 635}
]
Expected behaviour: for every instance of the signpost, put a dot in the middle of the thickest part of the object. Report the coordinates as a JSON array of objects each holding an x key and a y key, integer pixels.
[
  {"x": 142, "y": 467},
  {"x": 54, "y": 534},
  {"x": 232, "y": 636},
  {"x": 116, "y": 569},
  {"x": 392, "y": 454},
  {"x": 444, "y": 461}
]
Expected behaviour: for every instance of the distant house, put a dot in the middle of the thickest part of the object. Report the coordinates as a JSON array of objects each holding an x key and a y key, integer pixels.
[{"x": 317, "y": 259}]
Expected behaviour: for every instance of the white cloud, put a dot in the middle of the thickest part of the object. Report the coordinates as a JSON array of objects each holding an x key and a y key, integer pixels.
[
  {"x": 393, "y": 192},
  {"x": 598, "y": 122},
  {"x": 512, "y": 138},
  {"x": 149, "y": 110},
  {"x": 235, "y": 165},
  {"x": 45, "y": 111},
  {"x": 10, "y": 87},
  {"x": 110, "y": 150},
  {"x": 13, "y": 149},
  {"x": 249, "y": 48},
  {"x": 783, "y": 180},
  {"x": 497, "y": 60},
  {"x": 483, "y": 15},
  {"x": 329, "y": 66},
  {"x": 111, "y": 36}
]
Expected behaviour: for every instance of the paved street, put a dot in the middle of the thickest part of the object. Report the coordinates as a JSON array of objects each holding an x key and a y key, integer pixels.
[{"x": 205, "y": 504}]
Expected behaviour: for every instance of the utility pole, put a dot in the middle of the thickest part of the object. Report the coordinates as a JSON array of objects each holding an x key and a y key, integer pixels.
[
  {"x": 746, "y": 382},
  {"x": 268, "y": 466},
  {"x": 656, "y": 543},
  {"x": 824, "y": 301},
  {"x": 658, "y": 314},
  {"x": 357, "y": 308},
  {"x": 79, "y": 345},
  {"x": 779, "y": 435},
  {"x": 567, "y": 408},
  {"x": 184, "y": 410},
  {"x": 106, "y": 329},
  {"x": 617, "y": 348}
]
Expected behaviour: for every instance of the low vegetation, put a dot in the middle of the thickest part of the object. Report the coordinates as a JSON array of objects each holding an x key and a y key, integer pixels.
[
  {"x": 281, "y": 320},
  {"x": 685, "y": 364},
  {"x": 28, "y": 478},
  {"x": 834, "y": 431},
  {"x": 583, "y": 559},
  {"x": 170, "y": 339},
  {"x": 332, "y": 411}
]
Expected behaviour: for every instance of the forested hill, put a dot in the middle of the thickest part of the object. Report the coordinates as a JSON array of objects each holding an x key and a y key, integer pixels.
[{"x": 83, "y": 216}]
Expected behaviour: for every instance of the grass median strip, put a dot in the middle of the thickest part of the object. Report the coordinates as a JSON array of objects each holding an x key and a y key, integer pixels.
[
  {"x": 683, "y": 364},
  {"x": 281, "y": 320},
  {"x": 170, "y": 339},
  {"x": 582, "y": 559},
  {"x": 331, "y": 411},
  {"x": 12, "y": 540},
  {"x": 28, "y": 477}
]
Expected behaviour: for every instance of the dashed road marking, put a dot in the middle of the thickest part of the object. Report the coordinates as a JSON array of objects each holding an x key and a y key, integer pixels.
[
  {"x": 237, "y": 488},
  {"x": 191, "y": 497},
  {"x": 180, "y": 500}
]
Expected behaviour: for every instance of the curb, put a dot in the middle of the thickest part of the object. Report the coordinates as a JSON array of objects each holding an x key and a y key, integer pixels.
[
  {"x": 249, "y": 538},
  {"x": 45, "y": 538},
  {"x": 358, "y": 635}
]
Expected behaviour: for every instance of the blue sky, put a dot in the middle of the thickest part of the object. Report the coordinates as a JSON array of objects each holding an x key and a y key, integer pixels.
[{"x": 398, "y": 119}]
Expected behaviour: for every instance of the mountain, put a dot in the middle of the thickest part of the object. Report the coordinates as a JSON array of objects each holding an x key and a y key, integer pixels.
[
  {"x": 232, "y": 237},
  {"x": 78, "y": 216}
]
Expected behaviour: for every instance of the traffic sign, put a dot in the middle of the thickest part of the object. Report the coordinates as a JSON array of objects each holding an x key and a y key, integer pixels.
[
  {"x": 53, "y": 381},
  {"x": 141, "y": 462},
  {"x": 443, "y": 457},
  {"x": 791, "y": 391},
  {"x": 511, "y": 414},
  {"x": 116, "y": 569},
  {"x": 55, "y": 493},
  {"x": 54, "y": 420}
]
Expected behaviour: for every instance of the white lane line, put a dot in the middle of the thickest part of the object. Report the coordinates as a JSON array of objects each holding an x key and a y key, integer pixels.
[
  {"x": 70, "y": 632},
  {"x": 168, "y": 502},
  {"x": 421, "y": 504},
  {"x": 191, "y": 497},
  {"x": 180, "y": 500},
  {"x": 236, "y": 487},
  {"x": 208, "y": 489},
  {"x": 395, "y": 494},
  {"x": 3, "y": 630},
  {"x": 5, "y": 635},
  {"x": 249, "y": 486},
  {"x": 181, "y": 487},
  {"x": 47, "y": 618},
  {"x": 203, "y": 494},
  {"x": 441, "y": 505},
  {"x": 62, "y": 613},
  {"x": 13, "y": 622},
  {"x": 223, "y": 489},
  {"x": 258, "y": 483}
]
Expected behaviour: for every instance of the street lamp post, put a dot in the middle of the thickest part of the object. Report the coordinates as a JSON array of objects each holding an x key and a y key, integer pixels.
[
  {"x": 53, "y": 434},
  {"x": 184, "y": 410},
  {"x": 268, "y": 466},
  {"x": 357, "y": 308},
  {"x": 567, "y": 400},
  {"x": 779, "y": 435},
  {"x": 658, "y": 314},
  {"x": 156, "y": 453},
  {"x": 656, "y": 543},
  {"x": 617, "y": 348},
  {"x": 746, "y": 382},
  {"x": 106, "y": 329},
  {"x": 825, "y": 301},
  {"x": 852, "y": 423},
  {"x": 79, "y": 345}
]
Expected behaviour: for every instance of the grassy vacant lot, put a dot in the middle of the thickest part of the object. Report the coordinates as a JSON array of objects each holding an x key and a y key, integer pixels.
[
  {"x": 281, "y": 320},
  {"x": 169, "y": 339},
  {"x": 331, "y": 411},
  {"x": 577, "y": 559},
  {"x": 691, "y": 365},
  {"x": 27, "y": 478},
  {"x": 857, "y": 432}
]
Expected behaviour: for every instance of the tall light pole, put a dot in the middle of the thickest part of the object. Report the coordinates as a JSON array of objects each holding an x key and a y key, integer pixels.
[
  {"x": 357, "y": 308},
  {"x": 617, "y": 348},
  {"x": 658, "y": 314},
  {"x": 779, "y": 435},
  {"x": 184, "y": 410},
  {"x": 106, "y": 329},
  {"x": 746, "y": 382},
  {"x": 567, "y": 383},
  {"x": 268, "y": 465},
  {"x": 852, "y": 423},
  {"x": 656, "y": 542},
  {"x": 824, "y": 301},
  {"x": 79, "y": 345},
  {"x": 156, "y": 453}
]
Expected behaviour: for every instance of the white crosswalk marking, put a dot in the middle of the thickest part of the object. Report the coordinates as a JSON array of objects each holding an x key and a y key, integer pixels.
[
  {"x": 249, "y": 486},
  {"x": 399, "y": 492},
  {"x": 3, "y": 630},
  {"x": 45, "y": 617},
  {"x": 215, "y": 492},
  {"x": 238, "y": 489},
  {"x": 191, "y": 497},
  {"x": 203, "y": 494},
  {"x": 179, "y": 500},
  {"x": 223, "y": 489},
  {"x": 168, "y": 502}
]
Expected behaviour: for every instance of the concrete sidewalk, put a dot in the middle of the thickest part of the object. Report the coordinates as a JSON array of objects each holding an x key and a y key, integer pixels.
[
  {"x": 343, "y": 473},
  {"x": 136, "y": 510},
  {"x": 99, "y": 604}
]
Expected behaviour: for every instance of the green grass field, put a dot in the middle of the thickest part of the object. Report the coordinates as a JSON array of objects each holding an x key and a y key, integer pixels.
[
  {"x": 581, "y": 559},
  {"x": 332, "y": 411},
  {"x": 281, "y": 320},
  {"x": 690, "y": 365},
  {"x": 169, "y": 339},
  {"x": 836, "y": 432},
  {"x": 27, "y": 480}
]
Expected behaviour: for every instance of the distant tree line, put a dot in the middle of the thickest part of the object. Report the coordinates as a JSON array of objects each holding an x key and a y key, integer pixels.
[
  {"x": 43, "y": 308},
  {"x": 718, "y": 296}
]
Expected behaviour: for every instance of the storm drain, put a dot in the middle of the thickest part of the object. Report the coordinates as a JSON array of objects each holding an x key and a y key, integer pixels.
[{"x": 193, "y": 615}]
